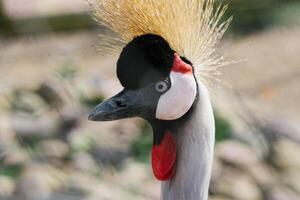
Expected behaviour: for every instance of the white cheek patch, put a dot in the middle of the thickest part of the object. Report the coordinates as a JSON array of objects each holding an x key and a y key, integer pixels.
[{"x": 179, "y": 98}]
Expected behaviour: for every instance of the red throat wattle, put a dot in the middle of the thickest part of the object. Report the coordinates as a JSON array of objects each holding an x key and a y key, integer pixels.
[{"x": 164, "y": 157}]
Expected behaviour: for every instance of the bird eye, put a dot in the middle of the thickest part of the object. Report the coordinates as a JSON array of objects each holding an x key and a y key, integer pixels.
[{"x": 161, "y": 86}]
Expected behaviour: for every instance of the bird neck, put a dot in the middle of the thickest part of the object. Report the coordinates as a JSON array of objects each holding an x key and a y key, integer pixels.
[{"x": 194, "y": 135}]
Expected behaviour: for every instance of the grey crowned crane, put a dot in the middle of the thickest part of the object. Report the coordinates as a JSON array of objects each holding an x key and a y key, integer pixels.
[{"x": 167, "y": 55}]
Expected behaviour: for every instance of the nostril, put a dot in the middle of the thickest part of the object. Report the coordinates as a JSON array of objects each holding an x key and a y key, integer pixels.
[{"x": 120, "y": 103}]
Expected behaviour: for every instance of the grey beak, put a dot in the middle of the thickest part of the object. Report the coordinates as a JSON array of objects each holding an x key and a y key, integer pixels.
[{"x": 126, "y": 104}]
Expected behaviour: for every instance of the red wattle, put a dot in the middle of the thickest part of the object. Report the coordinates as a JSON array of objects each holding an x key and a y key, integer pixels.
[
  {"x": 180, "y": 66},
  {"x": 164, "y": 158}
]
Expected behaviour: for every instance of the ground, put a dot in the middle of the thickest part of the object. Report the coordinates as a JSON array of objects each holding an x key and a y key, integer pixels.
[{"x": 61, "y": 155}]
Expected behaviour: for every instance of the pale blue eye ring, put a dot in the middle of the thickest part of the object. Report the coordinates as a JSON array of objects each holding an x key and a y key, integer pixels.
[{"x": 161, "y": 86}]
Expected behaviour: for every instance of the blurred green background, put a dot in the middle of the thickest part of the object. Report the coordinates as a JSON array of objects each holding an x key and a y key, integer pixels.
[{"x": 51, "y": 75}]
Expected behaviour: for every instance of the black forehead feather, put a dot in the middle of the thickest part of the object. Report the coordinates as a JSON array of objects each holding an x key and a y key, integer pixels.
[{"x": 145, "y": 59}]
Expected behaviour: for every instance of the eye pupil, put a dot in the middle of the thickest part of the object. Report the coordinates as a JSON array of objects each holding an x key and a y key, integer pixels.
[{"x": 160, "y": 86}]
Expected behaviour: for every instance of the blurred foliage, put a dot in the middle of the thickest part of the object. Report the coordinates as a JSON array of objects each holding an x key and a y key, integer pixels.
[
  {"x": 11, "y": 171},
  {"x": 67, "y": 71},
  {"x": 5, "y": 23},
  {"x": 257, "y": 15},
  {"x": 249, "y": 16},
  {"x": 82, "y": 144},
  {"x": 223, "y": 128},
  {"x": 31, "y": 143},
  {"x": 91, "y": 102},
  {"x": 55, "y": 23},
  {"x": 141, "y": 147}
]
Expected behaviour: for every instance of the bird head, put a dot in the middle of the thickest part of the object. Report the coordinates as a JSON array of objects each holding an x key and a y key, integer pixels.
[{"x": 158, "y": 83}]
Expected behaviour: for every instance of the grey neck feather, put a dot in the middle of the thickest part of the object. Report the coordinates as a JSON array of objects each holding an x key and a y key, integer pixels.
[{"x": 195, "y": 145}]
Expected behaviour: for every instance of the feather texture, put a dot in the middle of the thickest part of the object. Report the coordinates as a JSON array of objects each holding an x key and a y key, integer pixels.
[{"x": 192, "y": 27}]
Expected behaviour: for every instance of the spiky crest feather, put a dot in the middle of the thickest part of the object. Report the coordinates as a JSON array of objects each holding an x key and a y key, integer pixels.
[{"x": 192, "y": 27}]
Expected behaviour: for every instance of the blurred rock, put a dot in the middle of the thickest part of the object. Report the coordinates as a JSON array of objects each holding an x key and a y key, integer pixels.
[
  {"x": 138, "y": 179},
  {"x": 36, "y": 8},
  {"x": 243, "y": 157},
  {"x": 217, "y": 170},
  {"x": 39, "y": 181},
  {"x": 292, "y": 179},
  {"x": 98, "y": 85},
  {"x": 107, "y": 142},
  {"x": 110, "y": 191},
  {"x": 264, "y": 175},
  {"x": 70, "y": 119},
  {"x": 5, "y": 96},
  {"x": 236, "y": 185},
  {"x": 85, "y": 162},
  {"x": 26, "y": 101},
  {"x": 151, "y": 189},
  {"x": 281, "y": 193},
  {"x": 218, "y": 198},
  {"x": 51, "y": 94},
  {"x": 244, "y": 188},
  {"x": 237, "y": 154},
  {"x": 16, "y": 156},
  {"x": 286, "y": 154},
  {"x": 40, "y": 127},
  {"x": 7, "y": 187},
  {"x": 8, "y": 140},
  {"x": 133, "y": 174},
  {"x": 281, "y": 128},
  {"x": 82, "y": 182},
  {"x": 128, "y": 129},
  {"x": 33, "y": 188},
  {"x": 54, "y": 148},
  {"x": 7, "y": 135},
  {"x": 109, "y": 155}
]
